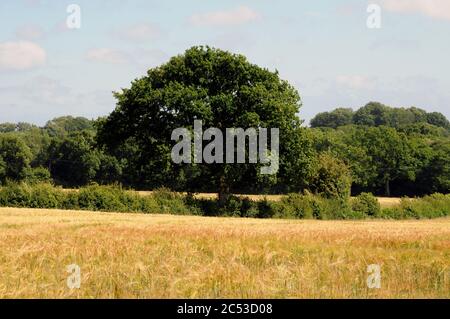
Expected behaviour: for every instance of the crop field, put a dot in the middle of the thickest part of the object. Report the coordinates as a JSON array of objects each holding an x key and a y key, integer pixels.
[{"x": 164, "y": 256}]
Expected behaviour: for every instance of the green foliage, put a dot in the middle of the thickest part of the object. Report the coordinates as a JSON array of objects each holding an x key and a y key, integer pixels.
[
  {"x": 334, "y": 119},
  {"x": 38, "y": 175},
  {"x": 377, "y": 148},
  {"x": 367, "y": 205},
  {"x": 307, "y": 206},
  {"x": 15, "y": 195},
  {"x": 376, "y": 114},
  {"x": 163, "y": 201},
  {"x": 15, "y": 157},
  {"x": 46, "y": 195},
  {"x": 432, "y": 206},
  {"x": 75, "y": 161},
  {"x": 296, "y": 206},
  {"x": 61, "y": 126},
  {"x": 168, "y": 202},
  {"x": 225, "y": 91},
  {"x": 102, "y": 198},
  {"x": 332, "y": 178}
]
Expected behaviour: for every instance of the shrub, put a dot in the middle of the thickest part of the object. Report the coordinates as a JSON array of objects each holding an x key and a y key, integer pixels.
[
  {"x": 249, "y": 208},
  {"x": 366, "y": 205},
  {"x": 70, "y": 201},
  {"x": 266, "y": 209},
  {"x": 432, "y": 206},
  {"x": 15, "y": 195},
  {"x": 46, "y": 196},
  {"x": 332, "y": 208},
  {"x": 38, "y": 175},
  {"x": 232, "y": 207},
  {"x": 163, "y": 201},
  {"x": 296, "y": 206},
  {"x": 168, "y": 202},
  {"x": 101, "y": 198}
]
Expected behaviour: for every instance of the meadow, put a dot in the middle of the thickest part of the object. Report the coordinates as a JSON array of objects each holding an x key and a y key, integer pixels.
[{"x": 164, "y": 256}]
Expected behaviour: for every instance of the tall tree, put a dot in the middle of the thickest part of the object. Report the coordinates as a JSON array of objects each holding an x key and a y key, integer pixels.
[
  {"x": 15, "y": 157},
  {"x": 391, "y": 154},
  {"x": 223, "y": 90},
  {"x": 336, "y": 118}
]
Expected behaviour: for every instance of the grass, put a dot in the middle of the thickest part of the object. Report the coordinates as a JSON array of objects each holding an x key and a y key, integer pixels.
[{"x": 155, "y": 256}]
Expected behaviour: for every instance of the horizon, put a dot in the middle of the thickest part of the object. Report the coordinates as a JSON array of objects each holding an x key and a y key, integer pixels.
[{"x": 325, "y": 50}]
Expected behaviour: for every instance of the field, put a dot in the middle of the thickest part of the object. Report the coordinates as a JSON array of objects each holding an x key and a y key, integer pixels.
[{"x": 163, "y": 256}]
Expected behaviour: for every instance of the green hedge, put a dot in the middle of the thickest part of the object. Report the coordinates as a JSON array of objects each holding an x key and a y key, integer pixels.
[
  {"x": 432, "y": 206},
  {"x": 163, "y": 201}
]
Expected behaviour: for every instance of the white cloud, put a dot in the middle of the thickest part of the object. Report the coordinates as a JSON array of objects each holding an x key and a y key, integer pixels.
[
  {"x": 140, "y": 32},
  {"x": 437, "y": 9},
  {"x": 354, "y": 81},
  {"x": 41, "y": 98},
  {"x": 106, "y": 55},
  {"x": 240, "y": 15},
  {"x": 21, "y": 55}
]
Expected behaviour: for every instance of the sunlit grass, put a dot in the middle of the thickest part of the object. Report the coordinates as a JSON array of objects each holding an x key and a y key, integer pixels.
[{"x": 152, "y": 256}]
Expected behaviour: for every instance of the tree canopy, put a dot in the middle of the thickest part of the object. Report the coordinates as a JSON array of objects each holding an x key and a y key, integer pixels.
[
  {"x": 377, "y": 114},
  {"x": 223, "y": 90}
]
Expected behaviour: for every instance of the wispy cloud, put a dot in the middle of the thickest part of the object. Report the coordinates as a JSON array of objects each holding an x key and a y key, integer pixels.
[
  {"x": 239, "y": 15},
  {"x": 354, "y": 81},
  {"x": 29, "y": 32},
  {"x": 21, "y": 55},
  {"x": 106, "y": 55},
  {"x": 139, "y": 32},
  {"x": 436, "y": 9}
]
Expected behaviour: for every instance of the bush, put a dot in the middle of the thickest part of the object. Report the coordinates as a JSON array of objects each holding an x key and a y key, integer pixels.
[
  {"x": 70, "y": 201},
  {"x": 332, "y": 208},
  {"x": 168, "y": 202},
  {"x": 309, "y": 206},
  {"x": 163, "y": 201},
  {"x": 266, "y": 209},
  {"x": 101, "y": 198},
  {"x": 15, "y": 195},
  {"x": 46, "y": 196},
  {"x": 296, "y": 206},
  {"x": 432, "y": 206},
  {"x": 38, "y": 175},
  {"x": 366, "y": 205}
]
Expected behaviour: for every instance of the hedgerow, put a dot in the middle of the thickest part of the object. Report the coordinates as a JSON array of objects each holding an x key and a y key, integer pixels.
[{"x": 163, "y": 201}]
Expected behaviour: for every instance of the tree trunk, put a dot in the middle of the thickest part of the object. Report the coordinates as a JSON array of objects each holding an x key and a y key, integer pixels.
[
  {"x": 388, "y": 188},
  {"x": 224, "y": 191}
]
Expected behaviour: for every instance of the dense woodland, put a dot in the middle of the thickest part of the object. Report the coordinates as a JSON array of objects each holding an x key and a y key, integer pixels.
[
  {"x": 411, "y": 158},
  {"x": 377, "y": 148}
]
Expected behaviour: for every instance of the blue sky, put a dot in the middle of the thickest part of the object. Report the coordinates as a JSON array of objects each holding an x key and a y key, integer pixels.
[{"x": 323, "y": 47}]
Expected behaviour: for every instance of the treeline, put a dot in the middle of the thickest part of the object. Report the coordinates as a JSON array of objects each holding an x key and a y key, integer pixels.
[
  {"x": 377, "y": 114},
  {"x": 410, "y": 159},
  {"x": 389, "y": 151},
  {"x": 377, "y": 149}
]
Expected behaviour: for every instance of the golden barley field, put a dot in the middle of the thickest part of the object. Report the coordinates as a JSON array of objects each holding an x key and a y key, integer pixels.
[{"x": 163, "y": 256}]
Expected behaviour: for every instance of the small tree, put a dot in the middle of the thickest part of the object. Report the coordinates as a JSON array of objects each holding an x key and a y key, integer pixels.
[{"x": 332, "y": 178}]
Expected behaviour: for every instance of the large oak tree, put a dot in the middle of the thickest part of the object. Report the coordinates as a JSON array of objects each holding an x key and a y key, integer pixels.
[{"x": 223, "y": 90}]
